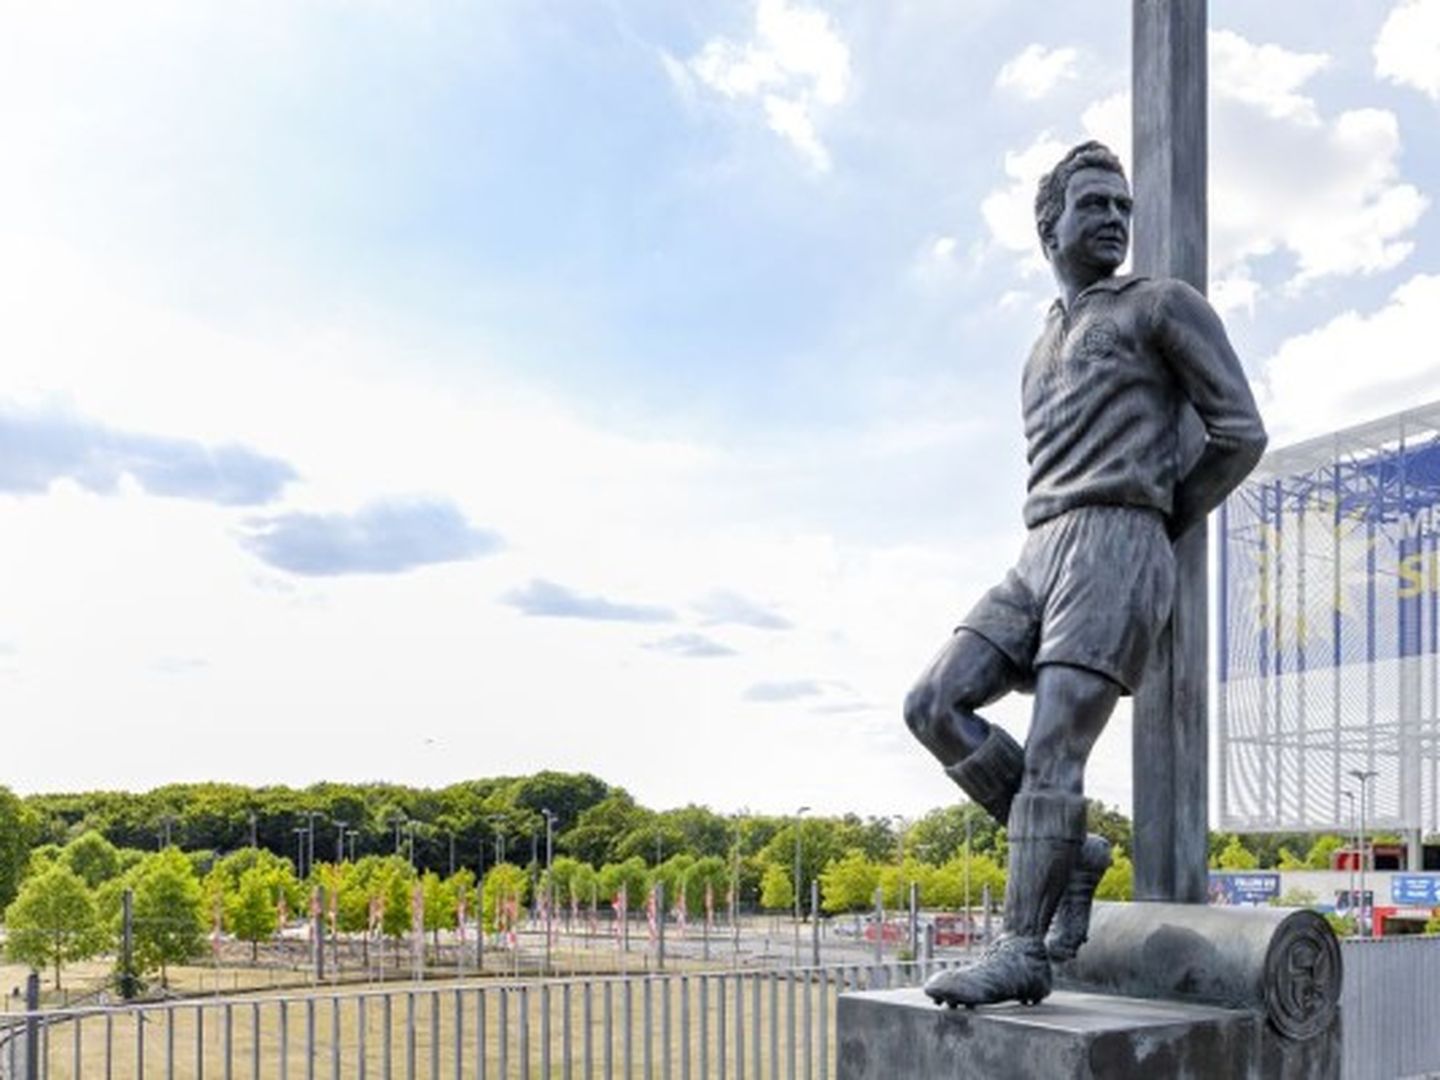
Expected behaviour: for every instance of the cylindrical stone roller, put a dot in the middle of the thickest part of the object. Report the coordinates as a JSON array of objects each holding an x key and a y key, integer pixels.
[{"x": 1283, "y": 962}]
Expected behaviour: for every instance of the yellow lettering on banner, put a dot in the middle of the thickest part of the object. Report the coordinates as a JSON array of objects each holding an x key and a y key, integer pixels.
[{"x": 1412, "y": 576}]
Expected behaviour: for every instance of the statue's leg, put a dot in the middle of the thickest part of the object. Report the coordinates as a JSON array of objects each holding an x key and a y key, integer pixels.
[
  {"x": 967, "y": 674},
  {"x": 1046, "y": 830}
]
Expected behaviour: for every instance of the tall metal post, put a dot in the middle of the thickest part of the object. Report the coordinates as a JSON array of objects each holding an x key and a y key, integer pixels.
[
  {"x": 1170, "y": 735},
  {"x": 1364, "y": 776},
  {"x": 128, "y": 989},
  {"x": 814, "y": 923},
  {"x": 660, "y": 926},
  {"x": 879, "y": 925},
  {"x": 32, "y": 1026},
  {"x": 549, "y": 882}
]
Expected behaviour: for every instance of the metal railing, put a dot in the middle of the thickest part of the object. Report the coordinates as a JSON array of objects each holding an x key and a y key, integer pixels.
[
  {"x": 1390, "y": 1008},
  {"x": 763, "y": 1025}
]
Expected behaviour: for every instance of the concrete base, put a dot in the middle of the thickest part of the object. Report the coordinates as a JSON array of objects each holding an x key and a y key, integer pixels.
[{"x": 902, "y": 1035}]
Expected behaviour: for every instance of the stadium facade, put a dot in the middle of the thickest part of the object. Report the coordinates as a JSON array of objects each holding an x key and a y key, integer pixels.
[{"x": 1328, "y": 634}]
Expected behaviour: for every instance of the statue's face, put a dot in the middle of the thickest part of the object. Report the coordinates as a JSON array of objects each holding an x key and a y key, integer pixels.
[{"x": 1093, "y": 231}]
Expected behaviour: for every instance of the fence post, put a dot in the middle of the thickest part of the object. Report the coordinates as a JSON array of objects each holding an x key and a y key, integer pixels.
[
  {"x": 879, "y": 925},
  {"x": 814, "y": 923},
  {"x": 128, "y": 988},
  {"x": 32, "y": 1026},
  {"x": 317, "y": 933},
  {"x": 660, "y": 925},
  {"x": 914, "y": 925}
]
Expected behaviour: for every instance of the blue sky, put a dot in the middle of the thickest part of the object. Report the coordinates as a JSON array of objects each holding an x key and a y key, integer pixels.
[{"x": 416, "y": 391}]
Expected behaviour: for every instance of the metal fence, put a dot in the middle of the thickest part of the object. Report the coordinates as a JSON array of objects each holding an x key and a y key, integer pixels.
[
  {"x": 762, "y": 1024},
  {"x": 1390, "y": 1008}
]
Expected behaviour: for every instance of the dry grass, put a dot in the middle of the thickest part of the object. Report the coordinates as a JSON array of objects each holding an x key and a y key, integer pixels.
[{"x": 420, "y": 1024}]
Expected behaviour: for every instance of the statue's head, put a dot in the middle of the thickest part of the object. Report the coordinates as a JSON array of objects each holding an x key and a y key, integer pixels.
[{"x": 1082, "y": 211}]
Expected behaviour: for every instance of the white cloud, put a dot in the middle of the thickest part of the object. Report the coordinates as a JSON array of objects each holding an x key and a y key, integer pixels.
[
  {"x": 1407, "y": 49},
  {"x": 1036, "y": 70},
  {"x": 1356, "y": 366},
  {"x": 1237, "y": 292},
  {"x": 1266, "y": 77},
  {"x": 1009, "y": 212},
  {"x": 1284, "y": 178},
  {"x": 794, "y": 67}
]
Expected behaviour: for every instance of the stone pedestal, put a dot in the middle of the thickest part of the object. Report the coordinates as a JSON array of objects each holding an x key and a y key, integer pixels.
[{"x": 902, "y": 1035}]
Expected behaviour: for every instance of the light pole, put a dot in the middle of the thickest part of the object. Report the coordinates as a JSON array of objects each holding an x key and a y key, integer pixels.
[
  {"x": 340, "y": 841},
  {"x": 1364, "y": 776},
  {"x": 549, "y": 882},
  {"x": 496, "y": 823},
  {"x": 397, "y": 820},
  {"x": 311, "y": 815},
  {"x": 969, "y": 821},
  {"x": 253, "y": 820},
  {"x": 354, "y": 835},
  {"x": 798, "y": 815},
  {"x": 299, "y": 832},
  {"x": 1351, "y": 900}
]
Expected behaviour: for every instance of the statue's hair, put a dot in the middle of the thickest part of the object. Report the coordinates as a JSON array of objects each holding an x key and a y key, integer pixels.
[{"x": 1050, "y": 196}]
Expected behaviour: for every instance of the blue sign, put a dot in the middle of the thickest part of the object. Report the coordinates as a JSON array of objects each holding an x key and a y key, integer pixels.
[
  {"x": 1415, "y": 890},
  {"x": 1243, "y": 888}
]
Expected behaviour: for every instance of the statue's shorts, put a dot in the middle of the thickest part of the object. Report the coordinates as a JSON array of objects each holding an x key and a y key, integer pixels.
[{"x": 1092, "y": 588}]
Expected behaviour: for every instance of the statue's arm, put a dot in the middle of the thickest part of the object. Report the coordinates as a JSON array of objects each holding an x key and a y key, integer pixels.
[{"x": 1192, "y": 340}]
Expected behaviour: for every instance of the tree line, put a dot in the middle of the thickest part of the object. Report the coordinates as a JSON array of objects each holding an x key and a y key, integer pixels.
[{"x": 197, "y": 856}]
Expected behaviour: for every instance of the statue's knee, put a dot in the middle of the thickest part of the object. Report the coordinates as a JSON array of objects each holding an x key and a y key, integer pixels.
[{"x": 920, "y": 710}]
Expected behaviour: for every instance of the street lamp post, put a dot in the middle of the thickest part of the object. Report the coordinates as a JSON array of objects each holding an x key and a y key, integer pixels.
[
  {"x": 496, "y": 823},
  {"x": 1364, "y": 776},
  {"x": 340, "y": 841},
  {"x": 299, "y": 832},
  {"x": 1350, "y": 905},
  {"x": 311, "y": 815},
  {"x": 353, "y": 834},
  {"x": 253, "y": 820},
  {"x": 397, "y": 821},
  {"x": 798, "y": 815},
  {"x": 549, "y": 881},
  {"x": 969, "y": 922}
]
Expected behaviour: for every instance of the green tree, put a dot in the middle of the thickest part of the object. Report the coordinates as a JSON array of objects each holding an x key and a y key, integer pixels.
[
  {"x": 503, "y": 884},
  {"x": 1319, "y": 855},
  {"x": 398, "y": 919},
  {"x": 939, "y": 836},
  {"x": 776, "y": 891},
  {"x": 1288, "y": 860},
  {"x": 1236, "y": 856},
  {"x": 92, "y": 857},
  {"x": 671, "y": 875},
  {"x": 848, "y": 884},
  {"x": 18, "y": 829},
  {"x": 440, "y": 907},
  {"x": 1119, "y": 881},
  {"x": 946, "y": 889},
  {"x": 52, "y": 921},
  {"x": 630, "y": 875},
  {"x": 251, "y": 911},
  {"x": 169, "y": 920},
  {"x": 711, "y": 870}
]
